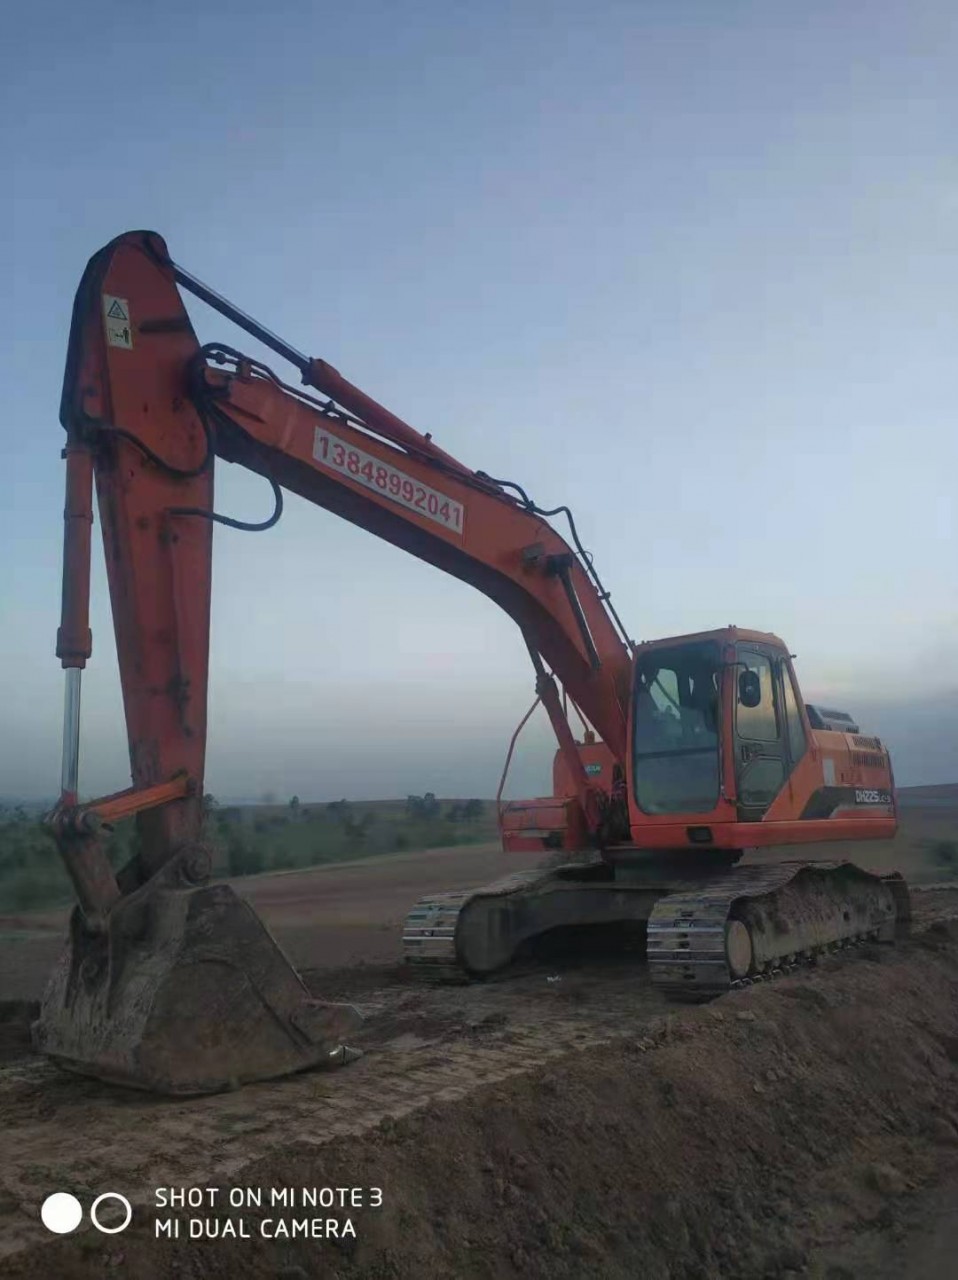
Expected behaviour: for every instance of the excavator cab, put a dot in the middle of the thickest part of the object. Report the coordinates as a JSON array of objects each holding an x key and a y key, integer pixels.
[{"x": 725, "y": 755}]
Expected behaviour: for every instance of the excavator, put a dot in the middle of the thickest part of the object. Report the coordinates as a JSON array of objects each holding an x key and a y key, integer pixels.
[{"x": 693, "y": 749}]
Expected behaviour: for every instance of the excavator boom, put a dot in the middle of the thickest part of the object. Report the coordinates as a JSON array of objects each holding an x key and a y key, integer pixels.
[{"x": 155, "y": 948}]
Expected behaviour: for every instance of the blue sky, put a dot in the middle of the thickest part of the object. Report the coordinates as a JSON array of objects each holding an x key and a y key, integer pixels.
[{"x": 689, "y": 267}]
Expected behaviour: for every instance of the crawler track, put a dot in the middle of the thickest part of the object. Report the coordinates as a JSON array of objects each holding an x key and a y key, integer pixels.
[
  {"x": 429, "y": 932},
  {"x": 785, "y": 915},
  {"x": 793, "y": 912}
]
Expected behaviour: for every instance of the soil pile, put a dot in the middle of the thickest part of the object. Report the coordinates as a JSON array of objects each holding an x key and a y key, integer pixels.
[{"x": 741, "y": 1139}]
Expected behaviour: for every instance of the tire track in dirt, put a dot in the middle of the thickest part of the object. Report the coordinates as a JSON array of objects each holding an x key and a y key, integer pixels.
[{"x": 422, "y": 1046}]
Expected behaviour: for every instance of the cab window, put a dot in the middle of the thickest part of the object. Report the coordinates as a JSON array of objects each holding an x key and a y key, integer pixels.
[
  {"x": 793, "y": 719},
  {"x": 758, "y": 723},
  {"x": 676, "y": 730}
]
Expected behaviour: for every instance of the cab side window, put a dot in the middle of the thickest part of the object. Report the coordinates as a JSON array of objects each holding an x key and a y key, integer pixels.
[
  {"x": 759, "y": 723},
  {"x": 793, "y": 720}
]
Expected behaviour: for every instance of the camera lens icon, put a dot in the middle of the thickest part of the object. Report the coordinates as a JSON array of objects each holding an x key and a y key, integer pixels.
[
  {"x": 62, "y": 1213},
  {"x": 127, "y": 1207}
]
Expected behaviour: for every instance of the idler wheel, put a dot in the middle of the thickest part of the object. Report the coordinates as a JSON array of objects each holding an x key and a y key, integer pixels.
[{"x": 738, "y": 948}]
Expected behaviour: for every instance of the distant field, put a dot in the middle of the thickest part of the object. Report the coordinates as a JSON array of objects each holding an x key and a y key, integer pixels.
[
  {"x": 925, "y": 850},
  {"x": 251, "y": 839},
  {"x": 336, "y": 895},
  {"x": 254, "y": 839},
  {"x": 945, "y": 792}
]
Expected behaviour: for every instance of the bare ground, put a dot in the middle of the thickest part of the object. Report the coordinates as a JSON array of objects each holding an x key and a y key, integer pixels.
[
  {"x": 544, "y": 1128},
  {"x": 332, "y": 916},
  {"x": 351, "y": 913},
  {"x": 566, "y": 1122}
]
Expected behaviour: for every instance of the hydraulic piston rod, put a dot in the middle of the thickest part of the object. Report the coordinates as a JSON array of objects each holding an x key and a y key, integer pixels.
[
  {"x": 70, "y": 771},
  {"x": 74, "y": 640},
  {"x": 85, "y": 861}
]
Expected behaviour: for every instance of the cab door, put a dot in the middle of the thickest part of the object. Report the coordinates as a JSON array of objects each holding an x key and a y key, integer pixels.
[{"x": 761, "y": 756}]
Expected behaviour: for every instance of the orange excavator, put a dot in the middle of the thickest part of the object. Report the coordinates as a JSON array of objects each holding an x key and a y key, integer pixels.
[{"x": 694, "y": 749}]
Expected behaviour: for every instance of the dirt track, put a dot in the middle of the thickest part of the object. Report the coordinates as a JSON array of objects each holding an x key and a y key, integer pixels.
[
  {"x": 351, "y": 913},
  {"x": 535, "y": 1127},
  {"x": 328, "y": 917}
]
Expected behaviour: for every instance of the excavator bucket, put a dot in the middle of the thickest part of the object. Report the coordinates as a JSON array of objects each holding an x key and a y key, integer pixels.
[{"x": 185, "y": 992}]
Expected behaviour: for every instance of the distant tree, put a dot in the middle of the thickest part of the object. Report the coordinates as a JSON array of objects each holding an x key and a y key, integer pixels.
[
  {"x": 430, "y": 805},
  {"x": 473, "y": 809},
  {"x": 294, "y": 806},
  {"x": 338, "y": 808},
  {"x": 426, "y": 806},
  {"x": 210, "y": 803}
]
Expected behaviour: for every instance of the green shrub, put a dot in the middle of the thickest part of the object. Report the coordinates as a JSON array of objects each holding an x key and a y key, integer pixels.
[
  {"x": 244, "y": 859},
  {"x": 945, "y": 853},
  {"x": 32, "y": 888}
]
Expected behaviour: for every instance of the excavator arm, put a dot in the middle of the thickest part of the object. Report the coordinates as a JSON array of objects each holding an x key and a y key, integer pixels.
[{"x": 147, "y": 411}]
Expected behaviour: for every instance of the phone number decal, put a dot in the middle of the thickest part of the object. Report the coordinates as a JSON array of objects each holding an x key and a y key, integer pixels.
[{"x": 387, "y": 480}]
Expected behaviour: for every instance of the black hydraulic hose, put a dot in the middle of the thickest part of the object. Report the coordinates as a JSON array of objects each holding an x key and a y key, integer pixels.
[
  {"x": 181, "y": 473},
  {"x": 205, "y": 411},
  {"x": 585, "y": 556},
  {"x": 244, "y": 525}
]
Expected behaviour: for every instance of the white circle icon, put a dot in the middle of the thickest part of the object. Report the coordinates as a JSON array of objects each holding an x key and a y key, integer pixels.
[
  {"x": 61, "y": 1213},
  {"x": 111, "y": 1195}
]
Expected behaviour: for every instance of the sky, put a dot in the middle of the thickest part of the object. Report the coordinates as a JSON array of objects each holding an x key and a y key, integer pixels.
[{"x": 690, "y": 268}]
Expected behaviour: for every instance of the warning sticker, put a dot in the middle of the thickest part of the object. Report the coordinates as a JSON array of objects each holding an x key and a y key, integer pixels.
[{"x": 116, "y": 318}]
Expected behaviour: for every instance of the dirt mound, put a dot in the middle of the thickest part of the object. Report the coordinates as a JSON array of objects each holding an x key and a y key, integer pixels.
[{"x": 739, "y": 1139}]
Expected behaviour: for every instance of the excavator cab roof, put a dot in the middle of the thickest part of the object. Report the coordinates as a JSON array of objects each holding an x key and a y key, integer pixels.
[{"x": 722, "y": 635}]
